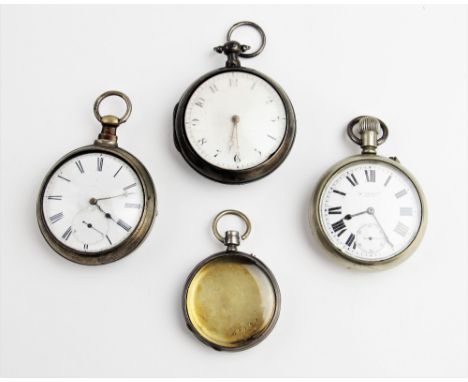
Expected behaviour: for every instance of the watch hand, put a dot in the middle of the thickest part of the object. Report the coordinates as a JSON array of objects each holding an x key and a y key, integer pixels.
[
  {"x": 89, "y": 225},
  {"x": 237, "y": 136},
  {"x": 111, "y": 197},
  {"x": 94, "y": 202},
  {"x": 349, "y": 216},
  {"x": 235, "y": 120},
  {"x": 371, "y": 211}
]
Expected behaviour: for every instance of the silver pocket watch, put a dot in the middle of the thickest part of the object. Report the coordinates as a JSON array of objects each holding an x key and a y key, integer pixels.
[
  {"x": 98, "y": 202},
  {"x": 234, "y": 124},
  {"x": 368, "y": 209}
]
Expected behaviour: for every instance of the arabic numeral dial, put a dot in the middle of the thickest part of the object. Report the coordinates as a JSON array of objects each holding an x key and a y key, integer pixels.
[
  {"x": 92, "y": 202},
  {"x": 370, "y": 211},
  {"x": 235, "y": 120}
]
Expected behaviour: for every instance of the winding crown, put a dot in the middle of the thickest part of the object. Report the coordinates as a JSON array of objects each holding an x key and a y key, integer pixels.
[{"x": 368, "y": 123}]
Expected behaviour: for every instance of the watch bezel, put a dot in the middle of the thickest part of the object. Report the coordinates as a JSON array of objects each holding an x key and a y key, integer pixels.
[
  {"x": 317, "y": 226},
  {"x": 135, "y": 238},
  {"x": 254, "y": 340},
  {"x": 219, "y": 174}
]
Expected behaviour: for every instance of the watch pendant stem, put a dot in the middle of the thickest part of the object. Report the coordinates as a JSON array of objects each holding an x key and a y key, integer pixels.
[
  {"x": 232, "y": 49},
  {"x": 108, "y": 135},
  {"x": 110, "y": 123},
  {"x": 231, "y": 240},
  {"x": 369, "y": 128}
]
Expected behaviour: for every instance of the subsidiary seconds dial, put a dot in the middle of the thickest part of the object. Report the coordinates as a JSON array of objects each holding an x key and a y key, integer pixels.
[{"x": 235, "y": 120}]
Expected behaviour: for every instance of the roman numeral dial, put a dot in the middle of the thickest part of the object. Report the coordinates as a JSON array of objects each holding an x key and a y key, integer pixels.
[
  {"x": 93, "y": 202},
  {"x": 369, "y": 210},
  {"x": 235, "y": 120}
]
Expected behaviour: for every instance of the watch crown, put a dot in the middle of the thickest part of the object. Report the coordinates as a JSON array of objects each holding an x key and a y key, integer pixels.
[{"x": 368, "y": 123}]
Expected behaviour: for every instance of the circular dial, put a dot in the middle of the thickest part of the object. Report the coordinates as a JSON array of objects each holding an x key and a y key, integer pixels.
[
  {"x": 235, "y": 120},
  {"x": 93, "y": 202},
  {"x": 370, "y": 211}
]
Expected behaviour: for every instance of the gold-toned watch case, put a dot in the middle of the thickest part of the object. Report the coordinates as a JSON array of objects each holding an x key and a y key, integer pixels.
[{"x": 231, "y": 301}]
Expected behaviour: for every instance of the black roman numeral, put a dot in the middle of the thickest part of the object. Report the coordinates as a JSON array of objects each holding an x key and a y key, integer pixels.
[
  {"x": 401, "y": 229},
  {"x": 124, "y": 225},
  {"x": 118, "y": 171},
  {"x": 401, "y": 193},
  {"x": 55, "y": 218},
  {"x": 54, "y": 197},
  {"x": 108, "y": 239},
  {"x": 352, "y": 179},
  {"x": 339, "y": 192},
  {"x": 67, "y": 233},
  {"x": 334, "y": 211},
  {"x": 133, "y": 205},
  {"x": 213, "y": 88},
  {"x": 350, "y": 240},
  {"x": 339, "y": 226},
  {"x": 100, "y": 162},
  {"x": 370, "y": 175},
  {"x": 80, "y": 166},
  {"x": 62, "y": 177},
  {"x": 85, "y": 247},
  {"x": 200, "y": 102},
  {"x": 129, "y": 186}
]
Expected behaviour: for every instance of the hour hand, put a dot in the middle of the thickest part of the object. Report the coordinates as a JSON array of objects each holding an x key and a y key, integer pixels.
[
  {"x": 94, "y": 202},
  {"x": 350, "y": 216},
  {"x": 234, "y": 140}
]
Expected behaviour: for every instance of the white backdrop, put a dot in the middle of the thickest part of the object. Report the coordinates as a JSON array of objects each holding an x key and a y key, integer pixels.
[{"x": 406, "y": 65}]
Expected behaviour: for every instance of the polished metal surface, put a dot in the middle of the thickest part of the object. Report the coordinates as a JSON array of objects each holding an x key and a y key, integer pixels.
[
  {"x": 111, "y": 93},
  {"x": 257, "y": 28},
  {"x": 242, "y": 216}
]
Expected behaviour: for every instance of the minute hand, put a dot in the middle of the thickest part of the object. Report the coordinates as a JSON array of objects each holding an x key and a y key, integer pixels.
[
  {"x": 381, "y": 228},
  {"x": 115, "y": 196}
]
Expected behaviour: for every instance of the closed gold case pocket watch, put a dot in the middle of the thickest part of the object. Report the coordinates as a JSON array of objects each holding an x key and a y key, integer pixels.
[
  {"x": 231, "y": 299},
  {"x": 235, "y": 124},
  {"x": 97, "y": 203},
  {"x": 368, "y": 209}
]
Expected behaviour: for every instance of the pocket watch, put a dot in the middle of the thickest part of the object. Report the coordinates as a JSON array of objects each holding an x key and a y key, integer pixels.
[
  {"x": 231, "y": 299},
  {"x": 368, "y": 209},
  {"x": 97, "y": 203},
  {"x": 235, "y": 124}
]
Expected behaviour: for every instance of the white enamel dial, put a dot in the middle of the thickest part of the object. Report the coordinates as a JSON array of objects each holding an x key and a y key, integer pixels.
[
  {"x": 235, "y": 120},
  {"x": 93, "y": 202},
  {"x": 370, "y": 211}
]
